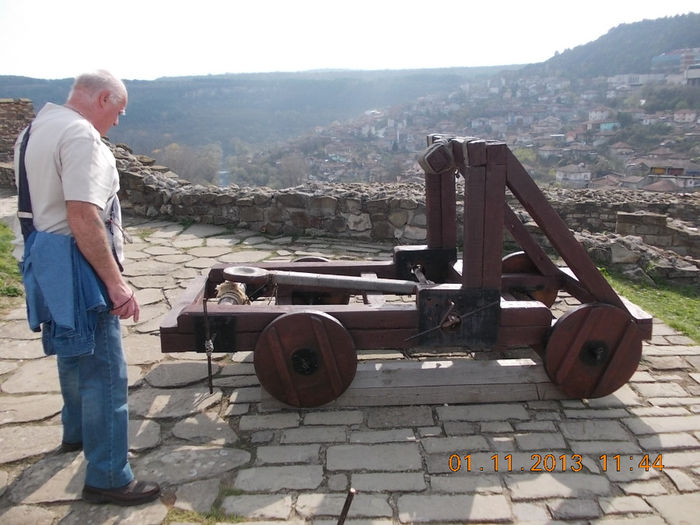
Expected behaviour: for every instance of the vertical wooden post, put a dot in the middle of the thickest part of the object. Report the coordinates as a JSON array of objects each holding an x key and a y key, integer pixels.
[
  {"x": 494, "y": 197},
  {"x": 448, "y": 198},
  {"x": 474, "y": 192},
  {"x": 483, "y": 215},
  {"x": 441, "y": 210},
  {"x": 441, "y": 204},
  {"x": 433, "y": 209}
]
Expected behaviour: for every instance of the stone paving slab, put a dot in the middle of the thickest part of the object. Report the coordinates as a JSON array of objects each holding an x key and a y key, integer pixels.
[
  {"x": 173, "y": 465},
  {"x": 274, "y": 479},
  {"x": 6, "y": 367},
  {"x": 25, "y": 441},
  {"x": 17, "y": 329},
  {"x": 364, "y": 506},
  {"x": 550, "y": 461},
  {"x": 19, "y": 350},
  {"x": 205, "y": 428},
  {"x": 197, "y": 496},
  {"x": 273, "y": 507},
  {"x": 454, "y": 508},
  {"x": 142, "y": 349},
  {"x": 171, "y": 403},
  {"x": 81, "y": 513},
  {"x": 29, "y": 408},
  {"x": 36, "y": 376},
  {"x": 23, "y": 514},
  {"x": 143, "y": 434},
  {"x": 52, "y": 479},
  {"x": 173, "y": 375}
]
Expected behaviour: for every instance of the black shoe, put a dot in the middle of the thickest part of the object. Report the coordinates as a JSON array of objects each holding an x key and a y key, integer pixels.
[
  {"x": 70, "y": 447},
  {"x": 134, "y": 493}
]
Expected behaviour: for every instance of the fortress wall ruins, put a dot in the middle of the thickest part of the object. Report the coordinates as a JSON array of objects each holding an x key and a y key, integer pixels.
[{"x": 14, "y": 115}]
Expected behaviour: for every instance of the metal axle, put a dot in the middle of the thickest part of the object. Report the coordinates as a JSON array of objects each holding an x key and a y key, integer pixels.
[{"x": 259, "y": 276}]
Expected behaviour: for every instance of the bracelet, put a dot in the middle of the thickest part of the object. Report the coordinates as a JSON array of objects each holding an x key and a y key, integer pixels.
[{"x": 125, "y": 302}]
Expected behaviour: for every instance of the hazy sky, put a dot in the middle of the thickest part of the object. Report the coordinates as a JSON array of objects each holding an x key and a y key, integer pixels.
[{"x": 146, "y": 39}]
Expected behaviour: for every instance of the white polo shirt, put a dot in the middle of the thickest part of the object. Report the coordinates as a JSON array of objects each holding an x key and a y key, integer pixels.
[{"x": 66, "y": 160}]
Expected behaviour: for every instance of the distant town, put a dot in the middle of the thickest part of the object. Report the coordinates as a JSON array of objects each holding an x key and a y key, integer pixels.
[{"x": 602, "y": 133}]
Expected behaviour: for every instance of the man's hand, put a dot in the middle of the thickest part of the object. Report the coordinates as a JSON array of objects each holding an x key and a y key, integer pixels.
[
  {"x": 129, "y": 307},
  {"x": 89, "y": 231}
]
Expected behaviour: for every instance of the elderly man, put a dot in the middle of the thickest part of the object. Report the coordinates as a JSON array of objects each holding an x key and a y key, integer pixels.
[{"x": 71, "y": 262}]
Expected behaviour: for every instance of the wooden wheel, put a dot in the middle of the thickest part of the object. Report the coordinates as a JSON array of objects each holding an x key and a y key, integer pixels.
[
  {"x": 593, "y": 350},
  {"x": 311, "y": 258},
  {"x": 305, "y": 359},
  {"x": 519, "y": 262}
]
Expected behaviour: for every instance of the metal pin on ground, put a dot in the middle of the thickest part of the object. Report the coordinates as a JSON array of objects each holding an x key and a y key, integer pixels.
[{"x": 346, "y": 507}]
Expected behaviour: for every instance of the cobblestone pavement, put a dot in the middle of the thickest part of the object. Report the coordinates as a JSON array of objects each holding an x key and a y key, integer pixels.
[{"x": 228, "y": 454}]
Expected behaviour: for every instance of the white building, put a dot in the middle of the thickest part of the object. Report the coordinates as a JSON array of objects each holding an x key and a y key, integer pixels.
[{"x": 573, "y": 176}]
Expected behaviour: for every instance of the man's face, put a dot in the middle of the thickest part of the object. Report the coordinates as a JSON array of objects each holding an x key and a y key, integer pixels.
[{"x": 111, "y": 107}]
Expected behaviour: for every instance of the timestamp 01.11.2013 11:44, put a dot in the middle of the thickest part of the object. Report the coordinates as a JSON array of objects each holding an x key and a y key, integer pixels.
[{"x": 555, "y": 462}]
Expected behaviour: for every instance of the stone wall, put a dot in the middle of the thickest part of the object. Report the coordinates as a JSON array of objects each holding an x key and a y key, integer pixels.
[
  {"x": 658, "y": 230},
  {"x": 596, "y": 210},
  {"x": 15, "y": 114},
  {"x": 394, "y": 212},
  {"x": 631, "y": 256},
  {"x": 7, "y": 175}
]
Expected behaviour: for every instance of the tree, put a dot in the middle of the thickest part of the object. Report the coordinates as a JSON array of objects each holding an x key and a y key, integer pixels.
[
  {"x": 670, "y": 97},
  {"x": 207, "y": 163},
  {"x": 293, "y": 169},
  {"x": 625, "y": 119},
  {"x": 392, "y": 169},
  {"x": 526, "y": 155},
  {"x": 199, "y": 165}
]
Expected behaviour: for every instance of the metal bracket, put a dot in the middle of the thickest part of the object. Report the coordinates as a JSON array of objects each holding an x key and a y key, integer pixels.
[
  {"x": 436, "y": 262},
  {"x": 454, "y": 316}
]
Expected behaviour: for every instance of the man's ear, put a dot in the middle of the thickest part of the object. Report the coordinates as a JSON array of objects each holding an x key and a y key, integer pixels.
[{"x": 103, "y": 98}]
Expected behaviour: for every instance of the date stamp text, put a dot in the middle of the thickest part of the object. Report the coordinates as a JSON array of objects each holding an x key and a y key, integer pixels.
[{"x": 551, "y": 463}]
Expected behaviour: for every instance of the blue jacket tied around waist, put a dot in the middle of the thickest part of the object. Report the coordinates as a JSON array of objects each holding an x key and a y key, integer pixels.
[{"x": 63, "y": 294}]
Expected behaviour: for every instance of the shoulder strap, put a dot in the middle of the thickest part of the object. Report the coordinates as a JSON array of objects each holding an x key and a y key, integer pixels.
[{"x": 24, "y": 199}]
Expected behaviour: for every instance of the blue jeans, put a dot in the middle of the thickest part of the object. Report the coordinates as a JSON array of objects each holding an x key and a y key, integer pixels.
[{"x": 95, "y": 410}]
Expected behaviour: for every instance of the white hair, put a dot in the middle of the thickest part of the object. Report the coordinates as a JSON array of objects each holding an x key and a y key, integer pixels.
[{"x": 93, "y": 83}]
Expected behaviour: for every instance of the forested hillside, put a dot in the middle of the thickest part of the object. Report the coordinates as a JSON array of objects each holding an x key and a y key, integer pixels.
[
  {"x": 250, "y": 108},
  {"x": 627, "y": 48}
]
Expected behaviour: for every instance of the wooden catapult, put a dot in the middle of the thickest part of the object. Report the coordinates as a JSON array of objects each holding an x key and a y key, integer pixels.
[{"x": 304, "y": 328}]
